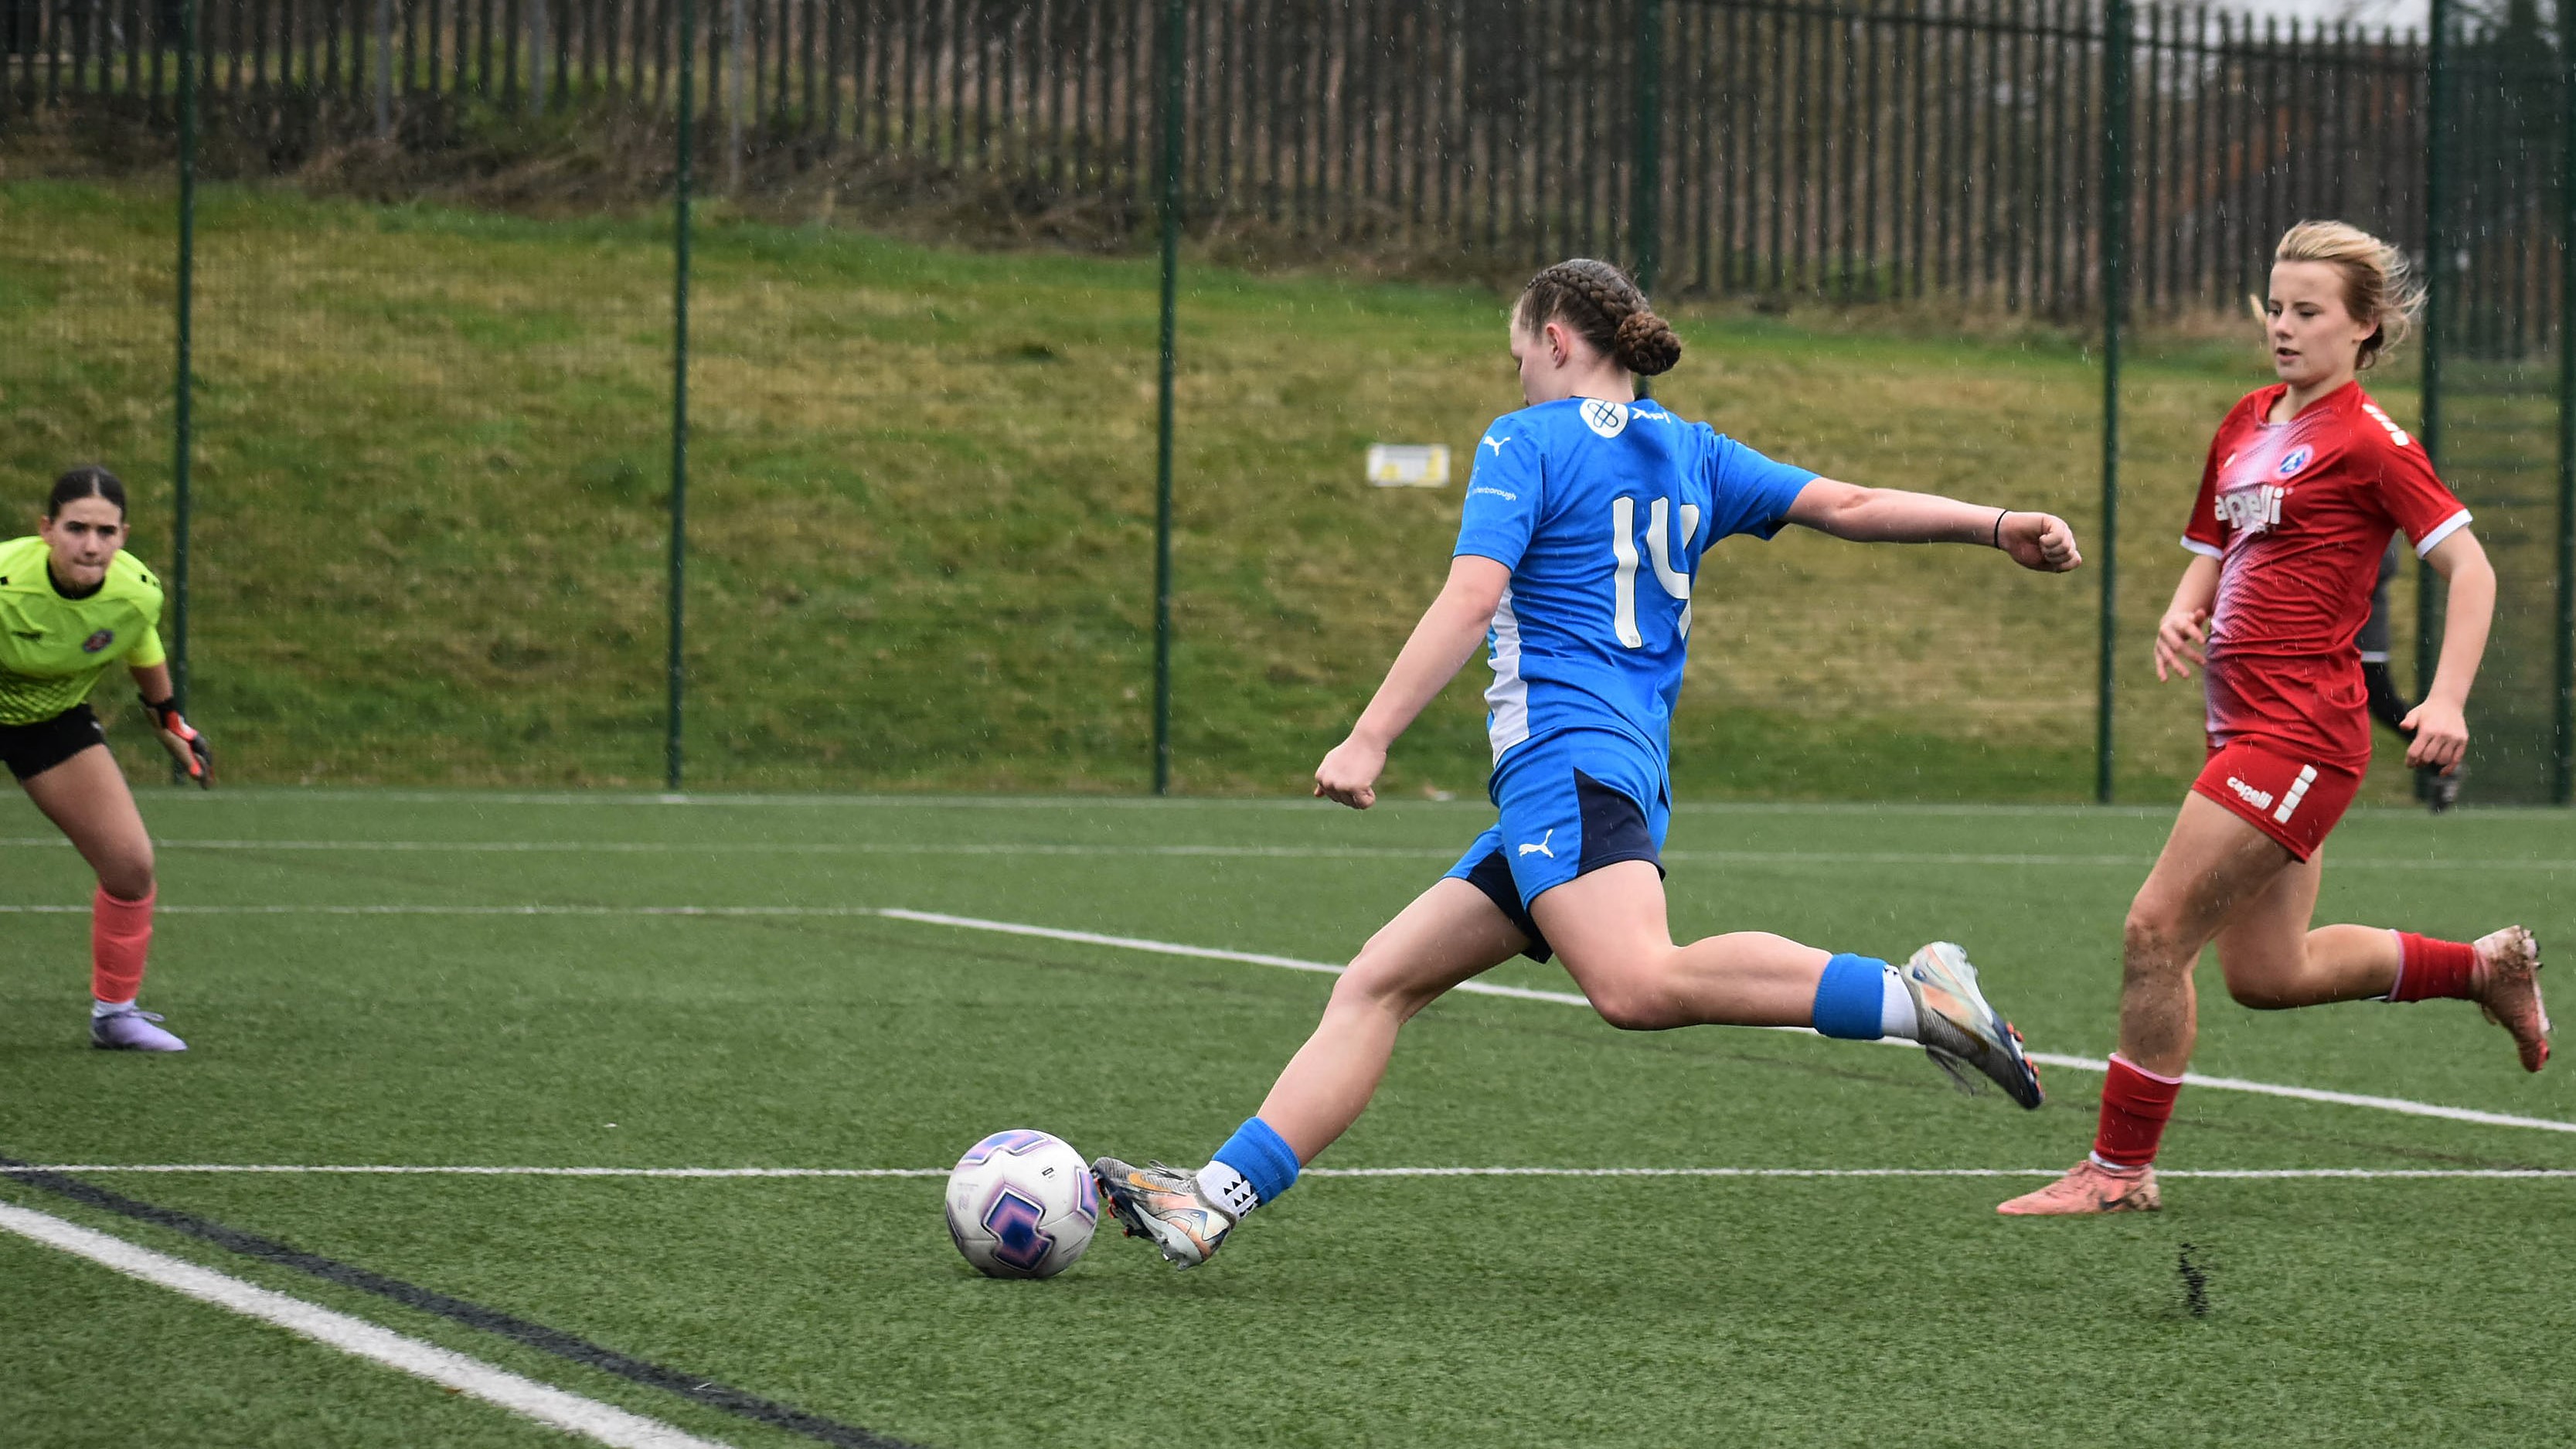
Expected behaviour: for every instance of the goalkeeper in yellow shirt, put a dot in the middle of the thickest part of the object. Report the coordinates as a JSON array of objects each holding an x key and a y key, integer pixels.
[{"x": 73, "y": 603}]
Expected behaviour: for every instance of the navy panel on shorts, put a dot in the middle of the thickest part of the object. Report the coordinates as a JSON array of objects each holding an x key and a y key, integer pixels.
[{"x": 1571, "y": 803}]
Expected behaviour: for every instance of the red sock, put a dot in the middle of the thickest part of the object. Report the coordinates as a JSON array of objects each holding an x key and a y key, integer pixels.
[
  {"x": 2136, "y": 1104},
  {"x": 2428, "y": 969},
  {"x": 120, "y": 932}
]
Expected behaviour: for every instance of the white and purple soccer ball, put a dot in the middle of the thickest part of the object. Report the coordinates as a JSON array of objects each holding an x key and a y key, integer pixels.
[{"x": 1022, "y": 1204}]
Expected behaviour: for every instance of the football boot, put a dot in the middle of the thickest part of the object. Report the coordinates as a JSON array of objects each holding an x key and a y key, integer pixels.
[
  {"x": 1959, "y": 1031},
  {"x": 2090, "y": 1188},
  {"x": 128, "y": 1030},
  {"x": 2507, "y": 983},
  {"x": 1162, "y": 1204}
]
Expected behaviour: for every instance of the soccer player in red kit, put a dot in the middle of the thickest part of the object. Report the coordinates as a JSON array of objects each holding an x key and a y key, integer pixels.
[{"x": 2305, "y": 482}]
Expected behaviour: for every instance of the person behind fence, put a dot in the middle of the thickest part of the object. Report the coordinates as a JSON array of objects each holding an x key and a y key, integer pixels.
[
  {"x": 2305, "y": 483},
  {"x": 2439, "y": 788},
  {"x": 1586, "y": 522},
  {"x": 73, "y": 603}
]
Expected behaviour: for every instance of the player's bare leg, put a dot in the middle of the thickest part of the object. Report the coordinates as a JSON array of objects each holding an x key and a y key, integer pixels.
[
  {"x": 2220, "y": 879},
  {"x": 87, "y": 798},
  {"x": 1617, "y": 943},
  {"x": 1449, "y": 934}
]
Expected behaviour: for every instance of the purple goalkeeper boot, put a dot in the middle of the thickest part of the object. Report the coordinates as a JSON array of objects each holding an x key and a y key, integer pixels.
[{"x": 129, "y": 1030}]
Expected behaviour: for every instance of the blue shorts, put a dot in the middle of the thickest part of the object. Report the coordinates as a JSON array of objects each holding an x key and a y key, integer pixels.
[{"x": 1571, "y": 803}]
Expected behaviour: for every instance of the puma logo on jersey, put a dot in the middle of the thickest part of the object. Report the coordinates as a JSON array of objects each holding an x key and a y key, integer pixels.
[
  {"x": 2259, "y": 799},
  {"x": 2252, "y": 510},
  {"x": 1490, "y": 441},
  {"x": 1541, "y": 847}
]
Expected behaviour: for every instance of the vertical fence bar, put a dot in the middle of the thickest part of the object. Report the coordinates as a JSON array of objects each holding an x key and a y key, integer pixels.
[
  {"x": 182, "y": 424},
  {"x": 1645, "y": 225},
  {"x": 1174, "y": 15},
  {"x": 2562, "y": 758},
  {"x": 674, "y": 670},
  {"x": 2117, "y": 28},
  {"x": 2436, "y": 304},
  {"x": 384, "y": 70}
]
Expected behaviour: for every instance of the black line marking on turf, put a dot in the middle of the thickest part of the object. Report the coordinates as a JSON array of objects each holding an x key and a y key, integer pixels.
[{"x": 693, "y": 1387}]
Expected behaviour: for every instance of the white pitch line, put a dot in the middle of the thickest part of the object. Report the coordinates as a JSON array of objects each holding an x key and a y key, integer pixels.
[
  {"x": 2050, "y": 1059},
  {"x": 1226, "y": 852},
  {"x": 2399, "y": 1105},
  {"x": 444, "y": 1367},
  {"x": 2252, "y": 1173}
]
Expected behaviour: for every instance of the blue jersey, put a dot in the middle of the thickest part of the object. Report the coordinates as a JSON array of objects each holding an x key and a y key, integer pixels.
[{"x": 1601, "y": 510}]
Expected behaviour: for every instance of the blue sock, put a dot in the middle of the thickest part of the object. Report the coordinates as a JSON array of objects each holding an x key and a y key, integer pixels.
[
  {"x": 1849, "y": 997},
  {"x": 1256, "y": 1161}
]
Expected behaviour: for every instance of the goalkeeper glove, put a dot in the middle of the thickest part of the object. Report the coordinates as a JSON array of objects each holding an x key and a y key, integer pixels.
[{"x": 177, "y": 735}]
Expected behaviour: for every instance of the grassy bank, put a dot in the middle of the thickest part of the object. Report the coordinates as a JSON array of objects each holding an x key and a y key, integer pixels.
[{"x": 433, "y": 458}]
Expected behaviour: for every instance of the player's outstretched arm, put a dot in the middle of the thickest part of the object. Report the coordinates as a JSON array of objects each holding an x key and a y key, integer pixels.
[
  {"x": 1441, "y": 645},
  {"x": 2183, "y": 633},
  {"x": 2441, "y": 722},
  {"x": 2039, "y": 541},
  {"x": 153, "y": 688}
]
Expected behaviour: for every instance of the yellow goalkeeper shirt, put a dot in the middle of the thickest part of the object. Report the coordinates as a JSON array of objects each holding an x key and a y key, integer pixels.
[{"x": 53, "y": 649}]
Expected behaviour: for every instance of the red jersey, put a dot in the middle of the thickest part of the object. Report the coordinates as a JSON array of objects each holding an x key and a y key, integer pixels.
[{"x": 2298, "y": 514}]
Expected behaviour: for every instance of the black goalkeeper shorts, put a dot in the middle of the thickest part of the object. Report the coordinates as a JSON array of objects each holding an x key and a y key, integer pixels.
[{"x": 32, "y": 749}]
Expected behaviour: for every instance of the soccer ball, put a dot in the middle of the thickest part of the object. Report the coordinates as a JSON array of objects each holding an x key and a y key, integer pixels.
[{"x": 1022, "y": 1204}]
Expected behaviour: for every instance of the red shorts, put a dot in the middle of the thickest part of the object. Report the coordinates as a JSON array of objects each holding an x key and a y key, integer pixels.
[{"x": 2296, "y": 802}]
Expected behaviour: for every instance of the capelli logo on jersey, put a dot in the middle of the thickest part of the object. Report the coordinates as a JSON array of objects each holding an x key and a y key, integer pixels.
[
  {"x": 98, "y": 641},
  {"x": 2298, "y": 458},
  {"x": 2251, "y": 510}
]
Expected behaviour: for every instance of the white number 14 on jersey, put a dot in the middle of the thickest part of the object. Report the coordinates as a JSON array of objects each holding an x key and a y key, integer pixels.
[{"x": 1659, "y": 547}]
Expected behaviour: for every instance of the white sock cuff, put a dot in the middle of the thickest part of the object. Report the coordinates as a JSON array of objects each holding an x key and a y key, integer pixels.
[
  {"x": 1226, "y": 1190},
  {"x": 1896, "y": 1014}
]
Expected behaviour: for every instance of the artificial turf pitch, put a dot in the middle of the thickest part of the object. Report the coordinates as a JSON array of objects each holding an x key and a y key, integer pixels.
[{"x": 1357, "y": 1310}]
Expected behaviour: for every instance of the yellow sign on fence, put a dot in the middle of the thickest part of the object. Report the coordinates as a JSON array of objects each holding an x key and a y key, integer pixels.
[{"x": 1409, "y": 465}]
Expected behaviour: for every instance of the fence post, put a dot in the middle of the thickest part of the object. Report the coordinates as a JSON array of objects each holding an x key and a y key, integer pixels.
[
  {"x": 2562, "y": 761},
  {"x": 1645, "y": 229},
  {"x": 2437, "y": 269},
  {"x": 384, "y": 70},
  {"x": 2117, "y": 23},
  {"x": 673, "y": 670},
  {"x": 1170, "y": 56},
  {"x": 733, "y": 96},
  {"x": 182, "y": 504},
  {"x": 537, "y": 48}
]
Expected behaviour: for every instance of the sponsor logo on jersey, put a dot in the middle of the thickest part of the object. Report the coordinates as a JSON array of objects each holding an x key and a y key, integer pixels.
[
  {"x": 2298, "y": 458},
  {"x": 2252, "y": 510},
  {"x": 1608, "y": 419},
  {"x": 2259, "y": 799},
  {"x": 1540, "y": 847},
  {"x": 98, "y": 641},
  {"x": 1497, "y": 492},
  {"x": 1490, "y": 441}
]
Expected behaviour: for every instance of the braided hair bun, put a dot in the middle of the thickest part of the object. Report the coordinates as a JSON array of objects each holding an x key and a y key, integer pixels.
[
  {"x": 1645, "y": 343},
  {"x": 1603, "y": 307}
]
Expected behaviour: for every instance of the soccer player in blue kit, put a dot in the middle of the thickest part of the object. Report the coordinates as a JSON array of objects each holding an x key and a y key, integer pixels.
[{"x": 1586, "y": 517}]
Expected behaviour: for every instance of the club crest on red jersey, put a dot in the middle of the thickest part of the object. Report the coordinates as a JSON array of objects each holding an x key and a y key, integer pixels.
[
  {"x": 98, "y": 641},
  {"x": 2297, "y": 459}
]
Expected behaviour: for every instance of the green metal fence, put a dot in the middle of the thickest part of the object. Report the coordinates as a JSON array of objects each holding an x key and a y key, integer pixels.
[{"x": 2083, "y": 162}]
